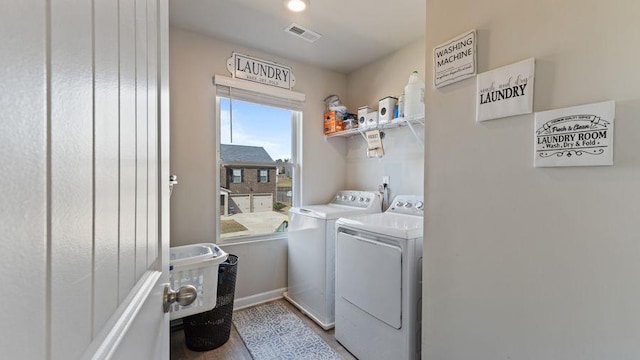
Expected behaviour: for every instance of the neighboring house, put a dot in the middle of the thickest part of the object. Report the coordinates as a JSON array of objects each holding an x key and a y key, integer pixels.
[
  {"x": 224, "y": 201},
  {"x": 248, "y": 173},
  {"x": 282, "y": 169}
]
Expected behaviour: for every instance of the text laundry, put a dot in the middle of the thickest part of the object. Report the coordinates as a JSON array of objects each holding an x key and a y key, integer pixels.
[
  {"x": 261, "y": 69},
  {"x": 572, "y": 137},
  {"x": 503, "y": 94}
]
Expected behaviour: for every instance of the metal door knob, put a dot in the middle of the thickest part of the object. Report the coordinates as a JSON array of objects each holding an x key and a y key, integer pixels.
[{"x": 184, "y": 296}]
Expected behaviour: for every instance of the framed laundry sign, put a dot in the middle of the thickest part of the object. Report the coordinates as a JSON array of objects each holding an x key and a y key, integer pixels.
[
  {"x": 506, "y": 91},
  {"x": 261, "y": 71},
  {"x": 575, "y": 136}
]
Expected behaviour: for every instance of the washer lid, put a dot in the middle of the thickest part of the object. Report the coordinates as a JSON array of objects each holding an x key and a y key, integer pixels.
[
  {"x": 390, "y": 224},
  {"x": 330, "y": 211}
]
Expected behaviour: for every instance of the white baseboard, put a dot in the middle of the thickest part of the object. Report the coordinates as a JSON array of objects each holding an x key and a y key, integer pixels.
[{"x": 257, "y": 299}]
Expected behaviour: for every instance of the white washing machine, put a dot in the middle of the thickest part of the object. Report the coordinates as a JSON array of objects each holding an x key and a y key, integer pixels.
[
  {"x": 311, "y": 252},
  {"x": 379, "y": 281}
]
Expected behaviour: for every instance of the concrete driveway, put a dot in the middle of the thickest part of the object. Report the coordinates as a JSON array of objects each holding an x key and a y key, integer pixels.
[{"x": 257, "y": 223}]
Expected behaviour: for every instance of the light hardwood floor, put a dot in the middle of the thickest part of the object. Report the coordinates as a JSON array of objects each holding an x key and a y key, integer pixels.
[{"x": 234, "y": 349}]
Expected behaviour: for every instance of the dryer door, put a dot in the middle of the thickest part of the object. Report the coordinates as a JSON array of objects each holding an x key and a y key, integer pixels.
[{"x": 369, "y": 276}]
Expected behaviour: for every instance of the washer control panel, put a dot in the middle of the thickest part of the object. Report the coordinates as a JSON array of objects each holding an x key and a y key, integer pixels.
[
  {"x": 407, "y": 204},
  {"x": 360, "y": 199}
]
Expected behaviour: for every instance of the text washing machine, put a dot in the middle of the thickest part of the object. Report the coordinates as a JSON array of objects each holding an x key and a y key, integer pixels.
[
  {"x": 379, "y": 281},
  {"x": 311, "y": 252}
]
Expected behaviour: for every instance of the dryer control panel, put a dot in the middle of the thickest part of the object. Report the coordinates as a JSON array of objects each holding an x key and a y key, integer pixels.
[
  {"x": 360, "y": 199},
  {"x": 407, "y": 204}
]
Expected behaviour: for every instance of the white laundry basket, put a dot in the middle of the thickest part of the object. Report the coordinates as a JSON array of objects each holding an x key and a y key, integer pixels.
[{"x": 195, "y": 265}]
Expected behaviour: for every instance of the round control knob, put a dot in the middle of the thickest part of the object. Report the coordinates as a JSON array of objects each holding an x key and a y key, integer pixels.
[
  {"x": 419, "y": 205},
  {"x": 408, "y": 205},
  {"x": 351, "y": 198},
  {"x": 399, "y": 204},
  {"x": 344, "y": 197},
  {"x": 337, "y": 197},
  {"x": 361, "y": 199},
  {"x": 367, "y": 200}
]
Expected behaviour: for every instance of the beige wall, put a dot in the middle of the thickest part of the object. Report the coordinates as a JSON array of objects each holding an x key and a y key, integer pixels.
[
  {"x": 404, "y": 156},
  {"x": 384, "y": 77},
  {"x": 525, "y": 263},
  {"x": 194, "y": 60}
]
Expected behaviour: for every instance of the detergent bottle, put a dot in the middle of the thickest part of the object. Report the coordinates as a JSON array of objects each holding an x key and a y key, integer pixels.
[{"x": 414, "y": 97}]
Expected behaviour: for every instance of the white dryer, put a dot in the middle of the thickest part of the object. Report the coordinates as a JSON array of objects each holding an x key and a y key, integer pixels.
[
  {"x": 311, "y": 252},
  {"x": 379, "y": 281}
]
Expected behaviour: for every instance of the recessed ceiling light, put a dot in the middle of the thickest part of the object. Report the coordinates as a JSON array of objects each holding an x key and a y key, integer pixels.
[{"x": 296, "y": 5}]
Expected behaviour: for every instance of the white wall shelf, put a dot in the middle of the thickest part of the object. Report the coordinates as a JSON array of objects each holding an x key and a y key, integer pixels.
[{"x": 396, "y": 123}]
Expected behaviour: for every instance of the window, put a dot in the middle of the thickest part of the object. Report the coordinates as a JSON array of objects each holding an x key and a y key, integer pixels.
[
  {"x": 263, "y": 175},
  {"x": 257, "y": 160},
  {"x": 235, "y": 176}
]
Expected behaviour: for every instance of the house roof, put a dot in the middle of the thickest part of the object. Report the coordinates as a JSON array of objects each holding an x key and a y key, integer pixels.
[{"x": 245, "y": 154}]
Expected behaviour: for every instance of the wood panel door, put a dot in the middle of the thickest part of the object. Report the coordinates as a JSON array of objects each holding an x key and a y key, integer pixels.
[{"x": 84, "y": 138}]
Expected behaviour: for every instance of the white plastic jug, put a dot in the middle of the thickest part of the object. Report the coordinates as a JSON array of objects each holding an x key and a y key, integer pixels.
[{"x": 414, "y": 97}]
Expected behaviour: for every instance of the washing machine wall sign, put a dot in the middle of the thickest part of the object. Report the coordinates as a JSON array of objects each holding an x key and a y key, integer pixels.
[
  {"x": 261, "y": 71},
  {"x": 455, "y": 60},
  {"x": 576, "y": 136}
]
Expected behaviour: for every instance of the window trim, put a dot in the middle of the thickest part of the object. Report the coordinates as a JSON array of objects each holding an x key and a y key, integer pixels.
[
  {"x": 232, "y": 176},
  {"x": 261, "y": 90},
  {"x": 296, "y": 99},
  {"x": 266, "y": 176}
]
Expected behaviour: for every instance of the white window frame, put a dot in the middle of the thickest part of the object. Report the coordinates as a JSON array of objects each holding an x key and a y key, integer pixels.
[
  {"x": 266, "y": 176},
  {"x": 271, "y": 96},
  {"x": 233, "y": 176}
]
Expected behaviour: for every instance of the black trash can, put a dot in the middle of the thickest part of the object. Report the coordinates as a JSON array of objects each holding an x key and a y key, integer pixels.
[{"x": 211, "y": 329}]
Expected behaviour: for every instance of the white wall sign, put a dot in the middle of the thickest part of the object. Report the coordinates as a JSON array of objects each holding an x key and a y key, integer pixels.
[
  {"x": 506, "y": 91},
  {"x": 374, "y": 144},
  {"x": 260, "y": 71},
  {"x": 455, "y": 60},
  {"x": 575, "y": 136}
]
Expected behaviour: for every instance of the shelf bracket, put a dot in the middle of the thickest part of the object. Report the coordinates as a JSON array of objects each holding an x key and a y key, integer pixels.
[
  {"x": 414, "y": 131},
  {"x": 364, "y": 137}
]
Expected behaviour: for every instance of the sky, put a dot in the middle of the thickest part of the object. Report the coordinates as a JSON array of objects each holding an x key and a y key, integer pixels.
[{"x": 257, "y": 125}]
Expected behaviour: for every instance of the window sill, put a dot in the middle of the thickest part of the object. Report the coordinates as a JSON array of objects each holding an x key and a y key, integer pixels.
[{"x": 252, "y": 239}]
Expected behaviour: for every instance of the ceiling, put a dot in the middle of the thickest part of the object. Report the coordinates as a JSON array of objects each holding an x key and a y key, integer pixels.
[{"x": 354, "y": 32}]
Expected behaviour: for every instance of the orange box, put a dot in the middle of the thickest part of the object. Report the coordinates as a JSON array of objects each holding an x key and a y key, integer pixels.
[
  {"x": 331, "y": 115},
  {"x": 332, "y": 126}
]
